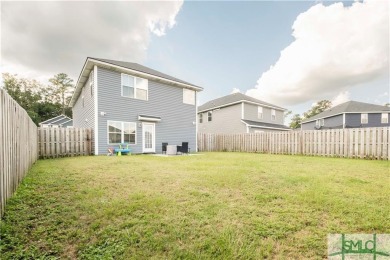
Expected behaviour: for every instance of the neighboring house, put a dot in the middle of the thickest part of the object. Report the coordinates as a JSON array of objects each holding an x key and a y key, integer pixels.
[
  {"x": 58, "y": 121},
  {"x": 126, "y": 102},
  {"x": 351, "y": 114},
  {"x": 239, "y": 113}
]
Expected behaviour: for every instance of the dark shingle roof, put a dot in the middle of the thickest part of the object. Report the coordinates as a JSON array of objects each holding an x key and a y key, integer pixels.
[
  {"x": 140, "y": 68},
  {"x": 350, "y": 106},
  {"x": 232, "y": 98},
  {"x": 261, "y": 124}
]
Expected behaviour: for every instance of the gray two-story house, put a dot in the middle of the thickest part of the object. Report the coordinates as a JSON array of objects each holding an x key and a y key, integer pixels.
[
  {"x": 351, "y": 114},
  {"x": 125, "y": 102},
  {"x": 239, "y": 113}
]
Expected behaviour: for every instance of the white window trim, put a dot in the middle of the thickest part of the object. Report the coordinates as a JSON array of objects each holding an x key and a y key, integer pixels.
[
  {"x": 361, "y": 118},
  {"x": 260, "y": 114},
  {"x": 91, "y": 80},
  {"x": 108, "y": 132},
  {"x": 200, "y": 118},
  {"x": 135, "y": 87},
  {"x": 211, "y": 113},
  {"x": 320, "y": 122},
  {"x": 385, "y": 116},
  {"x": 193, "y": 92},
  {"x": 273, "y": 115}
]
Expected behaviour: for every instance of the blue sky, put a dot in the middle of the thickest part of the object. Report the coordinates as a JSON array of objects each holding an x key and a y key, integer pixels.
[
  {"x": 226, "y": 45},
  {"x": 290, "y": 53}
]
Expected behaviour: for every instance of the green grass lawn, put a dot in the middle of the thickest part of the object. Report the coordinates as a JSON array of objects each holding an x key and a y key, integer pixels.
[{"x": 216, "y": 205}]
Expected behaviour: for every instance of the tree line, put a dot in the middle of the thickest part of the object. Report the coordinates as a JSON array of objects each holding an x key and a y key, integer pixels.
[
  {"x": 41, "y": 101},
  {"x": 319, "y": 107}
]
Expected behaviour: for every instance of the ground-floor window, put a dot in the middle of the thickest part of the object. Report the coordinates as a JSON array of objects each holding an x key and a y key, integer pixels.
[{"x": 121, "y": 132}]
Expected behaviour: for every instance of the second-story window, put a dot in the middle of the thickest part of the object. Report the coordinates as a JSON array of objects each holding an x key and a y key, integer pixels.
[
  {"x": 273, "y": 114},
  {"x": 188, "y": 96},
  {"x": 134, "y": 87},
  {"x": 385, "y": 118},
  {"x": 209, "y": 116},
  {"x": 364, "y": 118},
  {"x": 200, "y": 118},
  {"x": 260, "y": 112}
]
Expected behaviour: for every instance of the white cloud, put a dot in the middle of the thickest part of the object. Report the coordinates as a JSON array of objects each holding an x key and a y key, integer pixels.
[
  {"x": 40, "y": 39},
  {"x": 335, "y": 48},
  {"x": 235, "y": 90},
  {"x": 342, "y": 97}
]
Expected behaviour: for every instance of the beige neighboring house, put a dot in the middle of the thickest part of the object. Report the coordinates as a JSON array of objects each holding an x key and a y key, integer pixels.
[{"x": 239, "y": 113}]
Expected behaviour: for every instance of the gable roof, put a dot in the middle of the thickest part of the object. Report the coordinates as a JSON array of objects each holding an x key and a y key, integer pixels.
[
  {"x": 349, "y": 107},
  {"x": 141, "y": 68},
  {"x": 234, "y": 99},
  {"x": 126, "y": 67},
  {"x": 265, "y": 125},
  {"x": 58, "y": 120}
]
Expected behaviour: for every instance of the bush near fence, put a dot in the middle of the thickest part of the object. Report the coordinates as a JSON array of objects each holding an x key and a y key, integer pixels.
[{"x": 368, "y": 143}]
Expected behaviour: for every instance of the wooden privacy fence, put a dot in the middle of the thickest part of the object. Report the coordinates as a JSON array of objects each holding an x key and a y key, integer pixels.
[
  {"x": 18, "y": 146},
  {"x": 369, "y": 143},
  {"x": 61, "y": 142}
]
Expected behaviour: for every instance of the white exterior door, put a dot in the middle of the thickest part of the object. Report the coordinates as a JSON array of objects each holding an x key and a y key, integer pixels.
[{"x": 148, "y": 138}]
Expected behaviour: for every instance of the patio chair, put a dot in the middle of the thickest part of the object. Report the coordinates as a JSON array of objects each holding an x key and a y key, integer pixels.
[
  {"x": 164, "y": 148},
  {"x": 184, "y": 149}
]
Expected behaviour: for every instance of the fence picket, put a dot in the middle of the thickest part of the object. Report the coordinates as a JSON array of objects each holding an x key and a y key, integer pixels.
[{"x": 349, "y": 143}]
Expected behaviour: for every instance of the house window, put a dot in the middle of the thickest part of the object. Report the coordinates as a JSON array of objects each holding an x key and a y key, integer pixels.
[
  {"x": 385, "y": 118},
  {"x": 188, "y": 96},
  {"x": 121, "y": 132},
  {"x": 91, "y": 82},
  {"x": 273, "y": 114},
  {"x": 260, "y": 112},
  {"x": 209, "y": 116},
  {"x": 200, "y": 118},
  {"x": 320, "y": 122},
  {"x": 134, "y": 87},
  {"x": 364, "y": 118}
]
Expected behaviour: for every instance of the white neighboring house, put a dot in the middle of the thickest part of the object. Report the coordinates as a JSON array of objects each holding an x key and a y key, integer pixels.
[{"x": 58, "y": 121}]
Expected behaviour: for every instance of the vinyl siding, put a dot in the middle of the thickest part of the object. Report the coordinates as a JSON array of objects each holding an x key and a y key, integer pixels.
[
  {"x": 333, "y": 122},
  {"x": 308, "y": 125},
  {"x": 84, "y": 116},
  {"x": 163, "y": 101},
  {"x": 374, "y": 120},
  {"x": 226, "y": 120},
  {"x": 352, "y": 120},
  {"x": 250, "y": 113}
]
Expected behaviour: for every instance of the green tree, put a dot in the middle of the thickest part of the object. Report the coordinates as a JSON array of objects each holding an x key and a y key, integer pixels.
[
  {"x": 319, "y": 107},
  {"x": 296, "y": 121},
  {"x": 25, "y": 92},
  {"x": 60, "y": 90},
  {"x": 37, "y": 99}
]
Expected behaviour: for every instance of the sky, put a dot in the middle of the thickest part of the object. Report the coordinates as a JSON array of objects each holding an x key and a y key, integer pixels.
[{"x": 290, "y": 53}]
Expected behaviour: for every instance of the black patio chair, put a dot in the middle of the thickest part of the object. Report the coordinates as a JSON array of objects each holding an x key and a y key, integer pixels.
[
  {"x": 164, "y": 148},
  {"x": 184, "y": 149}
]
